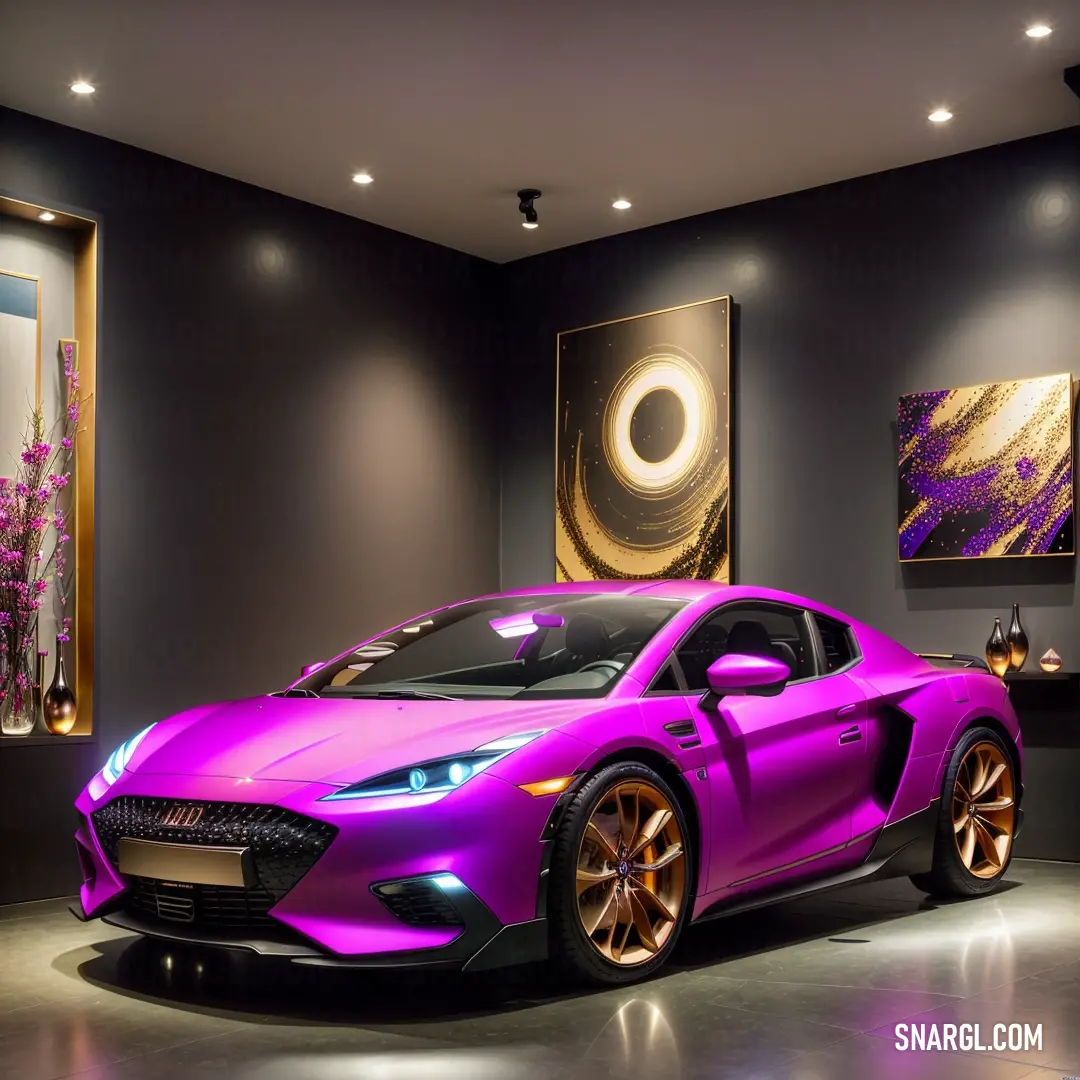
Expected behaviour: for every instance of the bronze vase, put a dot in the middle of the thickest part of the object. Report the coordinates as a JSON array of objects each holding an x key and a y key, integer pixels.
[
  {"x": 59, "y": 704},
  {"x": 1018, "y": 642},
  {"x": 998, "y": 655}
]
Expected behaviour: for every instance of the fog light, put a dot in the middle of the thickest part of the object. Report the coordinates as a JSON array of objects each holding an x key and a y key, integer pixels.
[{"x": 448, "y": 882}]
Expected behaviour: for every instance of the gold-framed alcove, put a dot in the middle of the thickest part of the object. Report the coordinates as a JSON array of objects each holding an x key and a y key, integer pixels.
[{"x": 80, "y": 240}]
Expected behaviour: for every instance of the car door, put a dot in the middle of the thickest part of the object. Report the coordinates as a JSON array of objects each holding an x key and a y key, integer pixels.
[{"x": 781, "y": 769}]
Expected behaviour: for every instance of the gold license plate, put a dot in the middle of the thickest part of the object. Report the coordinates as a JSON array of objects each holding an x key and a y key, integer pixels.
[{"x": 191, "y": 863}]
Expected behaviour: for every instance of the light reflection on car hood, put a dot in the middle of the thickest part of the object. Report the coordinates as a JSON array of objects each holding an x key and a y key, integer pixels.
[{"x": 341, "y": 740}]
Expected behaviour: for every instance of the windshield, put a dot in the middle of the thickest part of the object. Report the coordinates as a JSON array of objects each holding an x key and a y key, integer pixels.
[{"x": 564, "y": 646}]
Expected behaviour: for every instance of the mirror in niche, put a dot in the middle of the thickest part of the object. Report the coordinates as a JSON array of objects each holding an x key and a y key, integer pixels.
[
  {"x": 36, "y": 517},
  {"x": 57, "y": 253},
  {"x": 20, "y": 376}
]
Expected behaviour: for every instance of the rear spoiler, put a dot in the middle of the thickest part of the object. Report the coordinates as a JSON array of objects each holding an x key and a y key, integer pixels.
[{"x": 960, "y": 660}]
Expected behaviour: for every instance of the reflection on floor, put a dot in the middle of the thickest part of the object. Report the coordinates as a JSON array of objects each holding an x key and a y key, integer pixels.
[{"x": 807, "y": 991}]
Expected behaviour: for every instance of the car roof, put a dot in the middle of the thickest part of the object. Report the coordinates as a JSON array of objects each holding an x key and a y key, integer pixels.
[
  {"x": 669, "y": 589},
  {"x": 699, "y": 593}
]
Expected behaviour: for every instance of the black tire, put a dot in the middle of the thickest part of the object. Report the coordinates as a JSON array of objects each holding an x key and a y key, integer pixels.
[
  {"x": 949, "y": 878},
  {"x": 571, "y": 947}
]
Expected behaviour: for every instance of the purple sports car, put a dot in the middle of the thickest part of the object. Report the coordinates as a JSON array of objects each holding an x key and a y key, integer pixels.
[{"x": 574, "y": 772}]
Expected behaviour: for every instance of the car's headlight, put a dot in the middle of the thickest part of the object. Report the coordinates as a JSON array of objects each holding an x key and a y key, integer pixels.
[
  {"x": 437, "y": 775},
  {"x": 119, "y": 758}
]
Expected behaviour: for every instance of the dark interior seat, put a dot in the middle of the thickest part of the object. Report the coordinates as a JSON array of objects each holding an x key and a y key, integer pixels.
[
  {"x": 587, "y": 638},
  {"x": 749, "y": 637},
  {"x": 786, "y": 653}
]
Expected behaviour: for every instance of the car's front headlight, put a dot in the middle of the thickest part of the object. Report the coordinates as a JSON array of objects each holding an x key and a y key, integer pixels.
[
  {"x": 114, "y": 767},
  {"x": 437, "y": 775},
  {"x": 119, "y": 758}
]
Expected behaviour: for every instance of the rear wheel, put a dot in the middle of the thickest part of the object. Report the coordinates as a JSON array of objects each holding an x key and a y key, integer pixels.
[
  {"x": 620, "y": 876},
  {"x": 977, "y": 819}
]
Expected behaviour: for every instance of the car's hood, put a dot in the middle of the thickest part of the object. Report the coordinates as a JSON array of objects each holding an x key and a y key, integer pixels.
[{"x": 307, "y": 739}]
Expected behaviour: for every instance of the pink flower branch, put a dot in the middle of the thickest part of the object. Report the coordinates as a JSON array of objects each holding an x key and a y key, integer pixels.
[{"x": 31, "y": 512}]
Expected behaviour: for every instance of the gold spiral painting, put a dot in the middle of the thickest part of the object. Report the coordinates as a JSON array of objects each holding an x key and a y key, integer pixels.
[{"x": 643, "y": 447}]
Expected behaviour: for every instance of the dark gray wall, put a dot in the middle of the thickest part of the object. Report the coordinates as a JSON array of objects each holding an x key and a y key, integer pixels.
[
  {"x": 297, "y": 431},
  {"x": 955, "y": 272},
  {"x": 295, "y": 447}
]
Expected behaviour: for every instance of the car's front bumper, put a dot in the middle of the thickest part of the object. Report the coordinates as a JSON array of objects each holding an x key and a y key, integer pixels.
[
  {"x": 481, "y": 945},
  {"x": 487, "y": 835}
]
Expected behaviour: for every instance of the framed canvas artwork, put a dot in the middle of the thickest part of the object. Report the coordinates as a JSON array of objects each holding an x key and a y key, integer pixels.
[
  {"x": 987, "y": 471},
  {"x": 643, "y": 446}
]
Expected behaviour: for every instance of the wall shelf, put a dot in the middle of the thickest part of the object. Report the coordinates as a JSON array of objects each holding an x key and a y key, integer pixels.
[
  {"x": 1042, "y": 676},
  {"x": 7, "y": 741}
]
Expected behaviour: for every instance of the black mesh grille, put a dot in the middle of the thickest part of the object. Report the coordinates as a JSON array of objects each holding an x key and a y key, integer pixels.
[
  {"x": 215, "y": 908},
  {"x": 283, "y": 845},
  {"x": 418, "y": 902}
]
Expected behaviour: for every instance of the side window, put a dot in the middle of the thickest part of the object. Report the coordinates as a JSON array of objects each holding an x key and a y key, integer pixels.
[
  {"x": 665, "y": 682},
  {"x": 760, "y": 631},
  {"x": 838, "y": 641}
]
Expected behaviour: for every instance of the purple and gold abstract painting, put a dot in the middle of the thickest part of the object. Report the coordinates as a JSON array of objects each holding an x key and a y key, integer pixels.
[
  {"x": 986, "y": 471},
  {"x": 642, "y": 447}
]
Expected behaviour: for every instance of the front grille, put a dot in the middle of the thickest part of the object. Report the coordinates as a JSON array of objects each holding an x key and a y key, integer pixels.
[
  {"x": 418, "y": 902},
  {"x": 220, "y": 909},
  {"x": 283, "y": 846}
]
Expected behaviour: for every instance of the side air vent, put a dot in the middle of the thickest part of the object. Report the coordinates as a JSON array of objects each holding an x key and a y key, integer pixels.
[
  {"x": 899, "y": 728},
  {"x": 681, "y": 729}
]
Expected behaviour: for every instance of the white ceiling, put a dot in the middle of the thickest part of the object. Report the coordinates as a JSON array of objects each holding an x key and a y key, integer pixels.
[{"x": 681, "y": 106}]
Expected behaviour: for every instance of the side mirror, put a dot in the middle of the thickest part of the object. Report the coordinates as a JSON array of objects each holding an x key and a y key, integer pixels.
[
  {"x": 307, "y": 669},
  {"x": 739, "y": 673}
]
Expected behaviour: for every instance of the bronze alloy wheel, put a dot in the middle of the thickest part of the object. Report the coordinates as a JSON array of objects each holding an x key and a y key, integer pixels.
[
  {"x": 984, "y": 810},
  {"x": 630, "y": 873}
]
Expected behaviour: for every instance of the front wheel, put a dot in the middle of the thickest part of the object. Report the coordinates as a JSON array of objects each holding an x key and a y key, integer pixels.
[
  {"x": 977, "y": 819},
  {"x": 620, "y": 876}
]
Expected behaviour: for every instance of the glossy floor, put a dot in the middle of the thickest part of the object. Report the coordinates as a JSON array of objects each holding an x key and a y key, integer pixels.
[{"x": 807, "y": 991}]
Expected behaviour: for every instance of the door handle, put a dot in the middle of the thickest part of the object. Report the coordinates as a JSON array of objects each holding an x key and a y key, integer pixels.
[
  {"x": 847, "y": 710},
  {"x": 850, "y": 735}
]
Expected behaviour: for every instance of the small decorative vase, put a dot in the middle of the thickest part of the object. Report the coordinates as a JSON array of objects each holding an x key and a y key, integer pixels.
[
  {"x": 997, "y": 651},
  {"x": 1050, "y": 661},
  {"x": 59, "y": 704},
  {"x": 17, "y": 709},
  {"x": 1018, "y": 642}
]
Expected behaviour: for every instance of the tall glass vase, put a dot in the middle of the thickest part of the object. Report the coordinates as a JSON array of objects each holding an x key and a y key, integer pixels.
[{"x": 17, "y": 712}]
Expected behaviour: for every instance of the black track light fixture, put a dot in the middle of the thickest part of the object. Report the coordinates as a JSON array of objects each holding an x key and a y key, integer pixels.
[{"x": 526, "y": 198}]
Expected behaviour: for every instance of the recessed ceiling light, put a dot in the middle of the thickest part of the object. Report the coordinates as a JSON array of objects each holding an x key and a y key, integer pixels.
[
  {"x": 362, "y": 178},
  {"x": 939, "y": 116},
  {"x": 82, "y": 87},
  {"x": 1038, "y": 30},
  {"x": 530, "y": 224},
  {"x": 46, "y": 215},
  {"x": 621, "y": 204}
]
